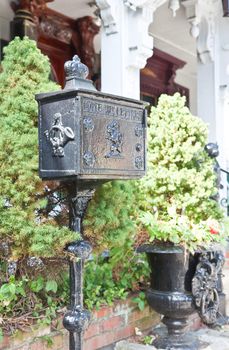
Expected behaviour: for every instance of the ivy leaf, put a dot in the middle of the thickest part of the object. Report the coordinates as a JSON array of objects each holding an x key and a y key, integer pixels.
[
  {"x": 51, "y": 286},
  {"x": 8, "y": 289},
  {"x": 37, "y": 285}
]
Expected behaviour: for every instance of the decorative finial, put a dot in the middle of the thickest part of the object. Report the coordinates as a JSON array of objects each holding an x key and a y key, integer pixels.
[
  {"x": 76, "y": 75},
  {"x": 76, "y": 68},
  {"x": 212, "y": 149}
]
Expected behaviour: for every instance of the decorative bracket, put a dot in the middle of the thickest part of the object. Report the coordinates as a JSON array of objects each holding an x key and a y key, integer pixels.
[
  {"x": 108, "y": 13},
  {"x": 134, "y": 4},
  {"x": 206, "y": 285},
  {"x": 201, "y": 14},
  {"x": 34, "y": 6},
  {"x": 140, "y": 42}
]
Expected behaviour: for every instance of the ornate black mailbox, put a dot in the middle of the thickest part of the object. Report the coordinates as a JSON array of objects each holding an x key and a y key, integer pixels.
[{"x": 87, "y": 137}]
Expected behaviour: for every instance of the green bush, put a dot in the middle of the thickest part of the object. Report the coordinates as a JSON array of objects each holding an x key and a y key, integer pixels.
[
  {"x": 111, "y": 215},
  {"x": 25, "y": 72},
  {"x": 176, "y": 192},
  {"x": 27, "y": 229}
]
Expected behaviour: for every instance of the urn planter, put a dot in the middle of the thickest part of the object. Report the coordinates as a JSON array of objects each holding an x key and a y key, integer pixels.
[
  {"x": 170, "y": 293},
  {"x": 181, "y": 283}
]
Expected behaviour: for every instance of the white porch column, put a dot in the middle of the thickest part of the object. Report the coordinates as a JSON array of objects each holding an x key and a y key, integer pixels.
[
  {"x": 223, "y": 110},
  {"x": 6, "y": 15},
  {"x": 207, "y": 96},
  {"x": 211, "y": 32},
  {"x": 125, "y": 43}
]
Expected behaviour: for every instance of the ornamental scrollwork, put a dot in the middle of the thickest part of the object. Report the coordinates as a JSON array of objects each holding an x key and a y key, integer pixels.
[
  {"x": 205, "y": 285},
  {"x": 59, "y": 136},
  {"x": 139, "y": 162}
]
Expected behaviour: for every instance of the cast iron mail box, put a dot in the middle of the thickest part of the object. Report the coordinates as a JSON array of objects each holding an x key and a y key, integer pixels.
[{"x": 90, "y": 135}]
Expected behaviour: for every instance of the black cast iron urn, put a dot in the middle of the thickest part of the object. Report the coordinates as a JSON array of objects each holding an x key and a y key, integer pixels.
[
  {"x": 180, "y": 284},
  {"x": 86, "y": 138},
  {"x": 170, "y": 293}
]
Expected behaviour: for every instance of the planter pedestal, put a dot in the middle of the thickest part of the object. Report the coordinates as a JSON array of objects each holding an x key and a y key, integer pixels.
[
  {"x": 170, "y": 294},
  {"x": 176, "y": 307}
]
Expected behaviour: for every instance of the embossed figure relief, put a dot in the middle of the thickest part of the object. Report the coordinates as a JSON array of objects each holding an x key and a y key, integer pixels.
[
  {"x": 59, "y": 136},
  {"x": 115, "y": 140}
]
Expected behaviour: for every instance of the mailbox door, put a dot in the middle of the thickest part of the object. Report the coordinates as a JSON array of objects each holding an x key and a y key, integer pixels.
[{"x": 112, "y": 138}]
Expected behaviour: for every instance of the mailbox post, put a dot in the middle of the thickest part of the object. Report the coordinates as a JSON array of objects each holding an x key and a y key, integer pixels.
[{"x": 86, "y": 138}]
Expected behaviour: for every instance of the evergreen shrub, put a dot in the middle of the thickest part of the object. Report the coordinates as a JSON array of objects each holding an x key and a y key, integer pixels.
[
  {"x": 25, "y": 72},
  {"x": 176, "y": 193},
  {"x": 33, "y": 214}
]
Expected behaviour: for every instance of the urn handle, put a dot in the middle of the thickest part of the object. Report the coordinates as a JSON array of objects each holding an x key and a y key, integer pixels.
[{"x": 205, "y": 285}]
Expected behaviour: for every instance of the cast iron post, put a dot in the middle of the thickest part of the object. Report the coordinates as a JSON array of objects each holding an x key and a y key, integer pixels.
[
  {"x": 77, "y": 318},
  {"x": 86, "y": 138}
]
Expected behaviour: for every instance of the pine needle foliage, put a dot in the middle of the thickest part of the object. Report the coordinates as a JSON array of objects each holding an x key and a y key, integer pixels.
[
  {"x": 180, "y": 171},
  {"x": 180, "y": 181},
  {"x": 25, "y": 72},
  {"x": 111, "y": 216}
]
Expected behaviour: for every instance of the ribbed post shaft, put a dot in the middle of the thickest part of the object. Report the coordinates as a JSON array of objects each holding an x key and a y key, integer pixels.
[{"x": 76, "y": 319}]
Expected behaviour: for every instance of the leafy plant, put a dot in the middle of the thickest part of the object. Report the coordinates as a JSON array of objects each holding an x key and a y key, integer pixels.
[
  {"x": 140, "y": 300},
  {"x": 105, "y": 281},
  {"x": 30, "y": 298},
  {"x": 40, "y": 298},
  {"x": 48, "y": 340},
  {"x": 176, "y": 205},
  {"x": 148, "y": 339}
]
